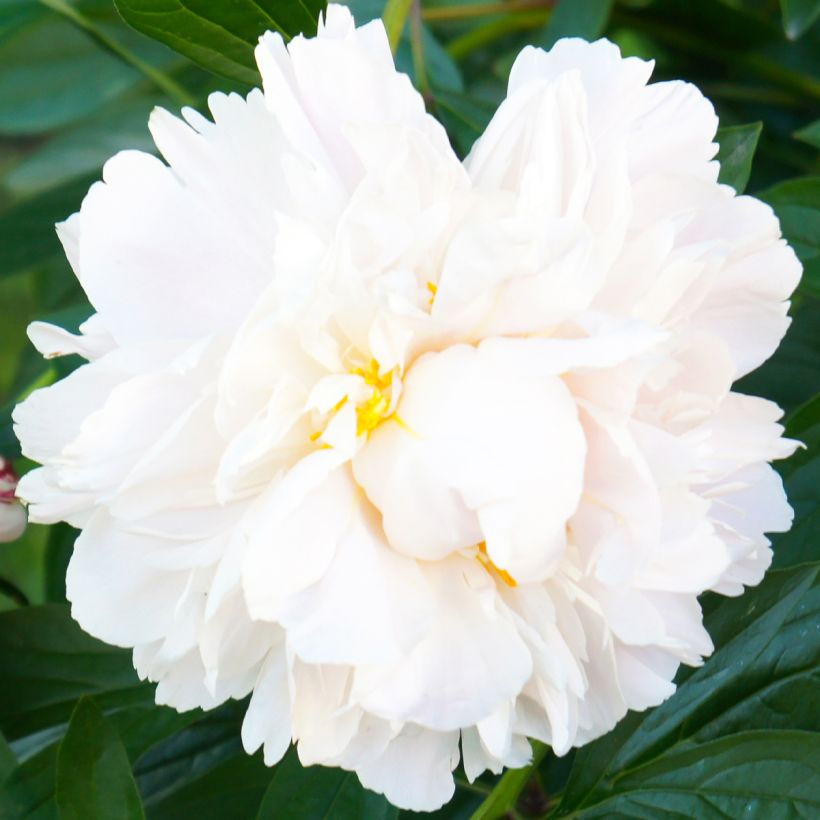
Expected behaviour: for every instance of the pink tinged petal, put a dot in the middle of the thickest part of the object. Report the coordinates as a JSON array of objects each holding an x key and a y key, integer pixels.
[
  {"x": 645, "y": 675},
  {"x": 367, "y": 90},
  {"x": 242, "y": 150},
  {"x": 181, "y": 684},
  {"x": 471, "y": 639},
  {"x": 233, "y": 646},
  {"x": 68, "y": 232},
  {"x": 117, "y": 592},
  {"x": 144, "y": 233},
  {"x": 267, "y": 720},
  {"x": 370, "y": 606},
  {"x": 324, "y": 721},
  {"x": 52, "y": 341},
  {"x": 13, "y": 521},
  {"x": 611, "y": 82},
  {"x": 475, "y": 756},
  {"x": 294, "y": 532},
  {"x": 674, "y": 130},
  {"x": 744, "y": 430},
  {"x": 479, "y": 455},
  {"x": 415, "y": 770},
  {"x": 49, "y": 502},
  {"x": 751, "y": 502}
]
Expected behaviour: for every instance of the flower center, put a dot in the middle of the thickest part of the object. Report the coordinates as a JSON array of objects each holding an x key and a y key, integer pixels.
[
  {"x": 488, "y": 564},
  {"x": 377, "y": 408}
]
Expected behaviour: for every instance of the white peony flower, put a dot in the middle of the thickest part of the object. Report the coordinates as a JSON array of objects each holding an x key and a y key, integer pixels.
[
  {"x": 430, "y": 458},
  {"x": 13, "y": 517}
]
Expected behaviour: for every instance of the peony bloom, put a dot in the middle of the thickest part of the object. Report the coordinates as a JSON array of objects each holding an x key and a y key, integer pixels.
[
  {"x": 428, "y": 457},
  {"x": 12, "y": 515}
]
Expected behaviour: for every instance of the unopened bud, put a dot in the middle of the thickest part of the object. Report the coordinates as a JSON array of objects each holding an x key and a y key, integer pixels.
[{"x": 13, "y": 517}]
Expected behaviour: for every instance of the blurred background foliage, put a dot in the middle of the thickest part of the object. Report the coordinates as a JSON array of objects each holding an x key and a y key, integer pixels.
[{"x": 77, "y": 84}]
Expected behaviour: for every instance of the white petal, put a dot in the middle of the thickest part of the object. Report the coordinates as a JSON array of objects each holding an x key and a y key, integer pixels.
[
  {"x": 480, "y": 454},
  {"x": 471, "y": 639},
  {"x": 415, "y": 770}
]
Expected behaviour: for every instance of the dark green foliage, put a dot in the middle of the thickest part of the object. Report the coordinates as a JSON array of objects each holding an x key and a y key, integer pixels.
[{"x": 80, "y": 735}]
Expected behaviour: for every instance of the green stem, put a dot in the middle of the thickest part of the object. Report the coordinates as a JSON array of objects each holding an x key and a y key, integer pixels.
[
  {"x": 175, "y": 91},
  {"x": 460, "y": 47},
  {"x": 417, "y": 49},
  {"x": 13, "y": 592},
  {"x": 475, "y": 788},
  {"x": 469, "y": 11},
  {"x": 394, "y": 17},
  {"x": 502, "y": 799}
]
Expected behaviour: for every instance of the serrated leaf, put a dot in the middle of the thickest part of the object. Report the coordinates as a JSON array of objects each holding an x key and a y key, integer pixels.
[
  {"x": 94, "y": 779},
  {"x": 737, "y": 148},
  {"x": 47, "y": 662},
  {"x": 319, "y": 793},
  {"x": 571, "y": 18},
  {"x": 763, "y": 676},
  {"x": 220, "y": 36},
  {"x": 799, "y": 16}
]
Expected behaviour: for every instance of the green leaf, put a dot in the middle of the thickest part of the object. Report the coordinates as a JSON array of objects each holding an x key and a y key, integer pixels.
[
  {"x": 27, "y": 236},
  {"x": 94, "y": 780},
  {"x": 505, "y": 794},
  {"x": 791, "y": 376},
  {"x": 395, "y": 16},
  {"x": 737, "y": 148},
  {"x": 810, "y": 134},
  {"x": 47, "y": 662},
  {"x": 189, "y": 755},
  {"x": 760, "y": 774},
  {"x": 465, "y": 117},
  {"x": 801, "y": 473},
  {"x": 28, "y": 792},
  {"x": 82, "y": 149},
  {"x": 797, "y": 205},
  {"x": 799, "y": 16},
  {"x": 319, "y": 793},
  {"x": 54, "y": 75},
  {"x": 232, "y": 788},
  {"x": 59, "y": 547},
  {"x": 572, "y": 18},
  {"x": 8, "y": 760},
  {"x": 220, "y": 36},
  {"x": 764, "y": 676},
  {"x": 804, "y": 425}
]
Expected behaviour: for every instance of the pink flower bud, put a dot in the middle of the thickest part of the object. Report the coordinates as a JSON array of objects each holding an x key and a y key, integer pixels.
[{"x": 12, "y": 514}]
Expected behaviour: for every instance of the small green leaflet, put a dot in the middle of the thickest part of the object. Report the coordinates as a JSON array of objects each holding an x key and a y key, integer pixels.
[
  {"x": 737, "y": 148},
  {"x": 94, "y": 779},
  {"x": 221, "y": 36}
]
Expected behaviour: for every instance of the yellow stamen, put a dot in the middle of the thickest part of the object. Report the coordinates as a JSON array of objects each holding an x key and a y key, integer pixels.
[
  {"x": 433, "y": 288},
  {"x": 488, "y": 564},
  {"x": 370, "y": 414},
  {"x": 376, "y": 409}
]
